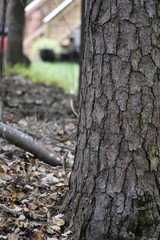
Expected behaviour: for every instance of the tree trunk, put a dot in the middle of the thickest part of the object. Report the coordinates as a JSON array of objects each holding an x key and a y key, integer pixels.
[
  {"x": 2, "y": 36},
  {"x": 115, "y": 184},
  {"x": 15, "y": 36},
  {"x": 82, "y": 43}
]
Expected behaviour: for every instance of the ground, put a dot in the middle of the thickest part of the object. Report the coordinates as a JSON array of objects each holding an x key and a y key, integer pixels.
[{"x": 32, "y": 191}]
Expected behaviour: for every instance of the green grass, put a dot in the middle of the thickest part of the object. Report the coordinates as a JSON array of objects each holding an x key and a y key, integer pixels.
[{"x": 64, "y": 75}]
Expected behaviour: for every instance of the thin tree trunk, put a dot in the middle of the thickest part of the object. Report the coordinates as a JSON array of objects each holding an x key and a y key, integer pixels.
[
  {"x": 115, "y": 185},
  {"x": 2, "y": 27},
  {"x": 15, "y": 35},
  {"x": 82, "y": 42}
]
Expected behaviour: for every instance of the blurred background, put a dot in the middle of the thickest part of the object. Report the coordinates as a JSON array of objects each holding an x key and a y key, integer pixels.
[{"x": 51, "y": 41}]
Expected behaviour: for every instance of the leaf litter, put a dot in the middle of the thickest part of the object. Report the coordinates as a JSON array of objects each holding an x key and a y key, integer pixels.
[{"x": 32, "y": 192}]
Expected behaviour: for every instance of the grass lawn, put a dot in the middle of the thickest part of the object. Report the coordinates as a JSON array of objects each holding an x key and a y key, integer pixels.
[{"x": 65, "y": 75}]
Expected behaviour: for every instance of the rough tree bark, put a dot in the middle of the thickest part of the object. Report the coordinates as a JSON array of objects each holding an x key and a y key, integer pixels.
[
  {"x": 16, "y": 24},
  {"x": 115, "y": 184}
]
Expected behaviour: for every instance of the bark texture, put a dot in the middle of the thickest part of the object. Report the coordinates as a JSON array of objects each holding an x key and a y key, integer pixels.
[
  {"x": 115, "y": 184},
  {"x": 15, "y": 36}
]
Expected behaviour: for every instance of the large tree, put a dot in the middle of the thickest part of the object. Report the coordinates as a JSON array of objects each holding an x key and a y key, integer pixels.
[
  {"x": 115, "y": 184},
  {"x": 16, "y": 25}
]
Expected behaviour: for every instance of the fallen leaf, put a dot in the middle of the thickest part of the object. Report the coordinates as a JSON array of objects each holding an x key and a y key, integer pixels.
[
  {"x": 50, "y": 179},
  {"x": 37, "y": 236},
  {"x": 12, "y": 236},
  {"x": 58, "y": 220}
]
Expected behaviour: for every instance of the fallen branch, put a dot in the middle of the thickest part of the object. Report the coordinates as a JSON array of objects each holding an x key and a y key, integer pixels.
[
  {"x": 61, "y": 145},
  {"x": 27, "y": 143}
]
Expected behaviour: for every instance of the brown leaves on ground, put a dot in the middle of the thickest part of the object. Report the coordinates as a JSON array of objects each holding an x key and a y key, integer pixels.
[{"x": 32, "y": 192}]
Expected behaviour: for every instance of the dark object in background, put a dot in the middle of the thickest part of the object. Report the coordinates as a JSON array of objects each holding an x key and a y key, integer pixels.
[
  {"x": 75, "y": 56},
  {"x": 72, "y": 56},
  {"x": 26, "y": 61},
  {"x": 65, "y": 57},
  {"x": 47, "y": 55},
  {"x": 5, "y": 32}
]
